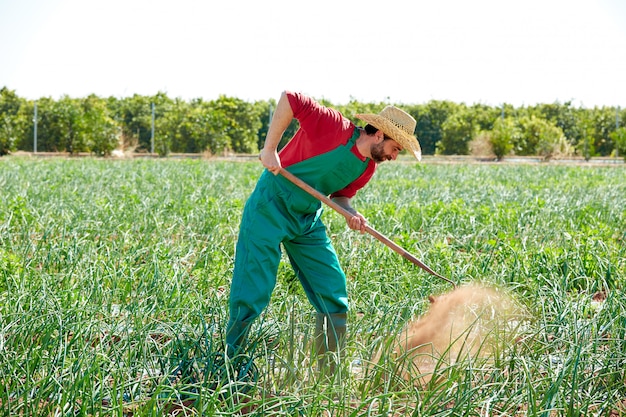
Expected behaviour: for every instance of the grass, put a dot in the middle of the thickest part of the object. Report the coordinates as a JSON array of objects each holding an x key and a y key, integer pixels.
[{"x": 114, "y": 279}]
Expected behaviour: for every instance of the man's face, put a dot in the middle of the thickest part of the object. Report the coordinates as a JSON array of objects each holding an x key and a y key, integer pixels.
[{"x": 386, "y": 150}]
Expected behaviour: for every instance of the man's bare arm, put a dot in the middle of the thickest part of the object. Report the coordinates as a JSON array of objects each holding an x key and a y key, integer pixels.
[
  {"x": 357, "y": 221},
  {"x": 281, "y": 119}
]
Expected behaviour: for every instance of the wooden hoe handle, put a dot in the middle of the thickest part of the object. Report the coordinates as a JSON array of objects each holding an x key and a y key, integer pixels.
[{"x": 345, "y": 213}]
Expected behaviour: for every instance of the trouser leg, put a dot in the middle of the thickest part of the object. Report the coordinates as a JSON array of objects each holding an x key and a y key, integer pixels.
[
  {"x": 324, "y": 282},
  {"x": 316, "y": 264},
  {"x": 257, "y": 257}
]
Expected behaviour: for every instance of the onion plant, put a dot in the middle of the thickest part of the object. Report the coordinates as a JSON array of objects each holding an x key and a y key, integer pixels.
[{"x": 114, "y": 282}]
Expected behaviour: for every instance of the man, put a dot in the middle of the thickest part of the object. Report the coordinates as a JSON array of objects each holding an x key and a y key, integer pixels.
[{"x": 337, "y": 158}]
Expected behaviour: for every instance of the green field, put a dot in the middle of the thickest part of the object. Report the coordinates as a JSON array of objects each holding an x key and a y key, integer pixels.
[{"x": 114, "y": 280}]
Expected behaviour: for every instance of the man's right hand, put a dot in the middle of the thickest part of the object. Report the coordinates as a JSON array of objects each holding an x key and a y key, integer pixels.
[{"x": 270, "y": 160}]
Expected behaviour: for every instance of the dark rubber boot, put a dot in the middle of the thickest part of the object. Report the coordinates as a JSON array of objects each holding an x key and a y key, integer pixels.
[
  {"x": 330, "y": 341},
  {"x": 236, "y": 337}
]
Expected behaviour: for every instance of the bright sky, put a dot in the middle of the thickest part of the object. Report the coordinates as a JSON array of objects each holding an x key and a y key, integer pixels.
[{"x": 520, "y": 52}]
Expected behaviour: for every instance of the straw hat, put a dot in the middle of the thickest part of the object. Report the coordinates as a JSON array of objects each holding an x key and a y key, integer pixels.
[{"x": 398, "y": 125}]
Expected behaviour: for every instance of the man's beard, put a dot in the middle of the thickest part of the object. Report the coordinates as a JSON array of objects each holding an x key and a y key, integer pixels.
[{"x": 378, "y": 153}]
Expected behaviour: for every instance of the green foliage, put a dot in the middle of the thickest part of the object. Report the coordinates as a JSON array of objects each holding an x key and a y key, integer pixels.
[
  {"x": 504, "y": 136},
  {"x": 265, "y": 109},
  {"x": 7, "y": 135},
  {"x": 539, "y": 137},
  {"x": 484, "y": 116},
  {"x": 49, "y": 124},
  {"x": 171, "y": 125},
  {"x": 10, "y": 105},
  {"x": 230, "y": 125},
  {"x": 117, "y": 272},
  {"x": 602, "y": 125},
  {"x": 430, "y": 119},
  {"x": 67, "y": 124},
  {"x": 563, "y": 116},
  {"x": 457, "y": 132},
  {"x": 586, "y": 146},
  {"x": 619, "y": 138},
  {"x": 240, "y": 123},
  {"x": 98, "y": 127},
  {"x": 134, "y": 116},
  {"x": 354, "y": 107}
]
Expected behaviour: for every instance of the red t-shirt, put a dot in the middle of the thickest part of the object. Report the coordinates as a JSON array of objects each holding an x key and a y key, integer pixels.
[{"x": 321, "y": 130}]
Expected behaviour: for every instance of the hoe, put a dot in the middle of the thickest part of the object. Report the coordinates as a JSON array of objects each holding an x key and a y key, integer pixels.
[{"x": 395, "y": 247}]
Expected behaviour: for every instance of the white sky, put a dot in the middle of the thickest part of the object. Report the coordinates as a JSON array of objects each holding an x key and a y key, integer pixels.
[{"x": 520, "y": 52}]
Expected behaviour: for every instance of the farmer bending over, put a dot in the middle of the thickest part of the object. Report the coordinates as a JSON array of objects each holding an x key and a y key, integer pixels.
[{"x": 337, "y": 158}]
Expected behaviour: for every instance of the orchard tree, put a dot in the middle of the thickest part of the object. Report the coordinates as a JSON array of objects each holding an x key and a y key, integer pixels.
[
  {"x": 209, "y": 126},
  {"x": 48, "y": 136},
  {"x": 430, "y": 119},
  {"x": 537, "y": 137},
  {"x": 266, "y": 110},
  {"x": 8, "y": 133},
  {"x": 602, "y": 125},
  {"x": 504, "y": 135},
  {"x": 240, "y": 122},
  {"x": 10, "y": 129},
  {"x": 585, "y": 146},
  {"x": 99, "y": 129},
  {"x": 191, "y": 129},
  {"x": 68, "y": 125},
  {"x": 171, "y": 126},
  {"x": 484, "y": 116},
  {"x": 563, "y": 116},
  {"x": 134, "y": 116},
  {"x": 457, "y": 132},
  {"x": 25, "y": 126},
  {"x": 619, "y": 138},
  {"x": 552, "y": 142}
]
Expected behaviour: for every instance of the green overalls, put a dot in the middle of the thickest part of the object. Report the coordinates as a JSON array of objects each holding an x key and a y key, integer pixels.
[{"x": 280, "y": 212}]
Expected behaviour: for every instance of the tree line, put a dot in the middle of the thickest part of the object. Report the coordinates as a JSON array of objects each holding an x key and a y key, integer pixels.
[{"x": 164, "y": 125}]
